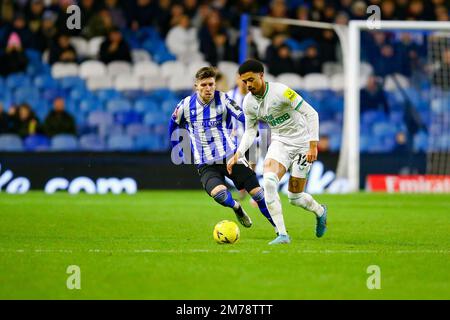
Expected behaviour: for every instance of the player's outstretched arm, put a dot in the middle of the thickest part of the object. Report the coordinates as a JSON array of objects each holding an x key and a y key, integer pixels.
[{"x": 247, "y": 140}]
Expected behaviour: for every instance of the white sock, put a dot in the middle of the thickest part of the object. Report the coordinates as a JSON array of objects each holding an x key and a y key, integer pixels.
[
  {"x": 273, "y": 201},
  {"x": 306, "y": 201}
]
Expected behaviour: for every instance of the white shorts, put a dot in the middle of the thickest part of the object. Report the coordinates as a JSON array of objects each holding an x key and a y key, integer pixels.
[{"x": 292, "y": 158}]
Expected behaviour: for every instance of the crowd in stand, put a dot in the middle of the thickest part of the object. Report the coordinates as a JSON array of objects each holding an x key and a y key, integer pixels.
[
  {"x": 208, "y": 27},
  {"x": 21, "y": 120}
]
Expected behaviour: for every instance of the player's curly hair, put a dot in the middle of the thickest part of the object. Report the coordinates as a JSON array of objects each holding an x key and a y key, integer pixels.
[
  {"x": 206, "y": 72},
  {"x": 251, "y": 65}
]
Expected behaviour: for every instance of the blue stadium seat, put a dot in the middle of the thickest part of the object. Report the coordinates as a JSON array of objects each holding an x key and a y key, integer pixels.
[
  {"x": 68, "y": 83},
  {"x": 26, "y": 94},
  {"x": 33, "y": 56},
  {"x": 146, "y": 105},
  {"x": 147, "y": 143},
  {"x": 37, "y": 143},
  {"x": 169, "y": 106},
  {"x": 107, "y": 94},
  {"x": 137, "y": 129},
  {"x": 120, "y": 143},
  {"x": 383, "y": 129},
  {"x": 92, "y": 142},
  {"x": 64, "y": 142},
  {"x": 152, "y": 119},
  {"x": 90, "y": 104},
  {"x": 117, "y": 105},
  {"x": 79, "y": 93},
  {"x": 41, "y": 108},
  {"x": 17, "y": 80},
  {"x": 364, "y": 142},
  {"x": 127, "y": 117},
  {"x": 100, "y": 118},
  {"x": 45, "y": 81},
  {"x": 10, "y": 142}
]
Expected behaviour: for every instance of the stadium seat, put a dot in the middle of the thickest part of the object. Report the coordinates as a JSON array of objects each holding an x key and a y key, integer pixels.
[
  {"x": 10, "y": 142},
  {"x": 61, "y": 70},
  {"x": 147, "y": 143},
  {"x": 117, "y": 105},
  {"x": 292, "y": 80},
  {"x": 45, "y": 81},
  {"x": 152, "y": 118},
  {"x": 316, "y": 81},
  {"x": 173, "y": 68},
  {"x": 81, "y": 46},
  {"x": 125, "y": 82},
  {"x": 152, "y": 83},
  {"x": 229, "y": 69},
  {"x": 146, "y": 69},
  {"x": 194, "y": 66},
  {"x": 391, "y": 85},
  {"x": 36, "y": 143},
  {"x": 145, "y": 105},
  {"x": 337, "y": 82},
  {"x": 91, "y": 142},
  {"x": 26, "y": 94},
  {"x": 137, "y": 129},
  {"x": 331, "y": 68},
  {"x": 383, "y": 129},
  {"x": 93, "y": 46},
  {"x": 120, "y": 143},
  {"x": 177, "y": 83},
  {"x": 64, "y": 142},
  {"x": 92, "y": 68},
  {"x": 140, "y": 55},
  {"x": 116, "y": 68},
  {"x": 17, "y": 80},
  {"x": 365, "y": 69},
  {"x": 420, "y": 142},
  {"x": 71, "y": 82},
  {"x": 127, "y": 117},
  {"x": 100, "y": 119},
  {"x": 105, "y": 95},
  {"x": 99, "y": 82},
  {"x": 90, "y": 104}
]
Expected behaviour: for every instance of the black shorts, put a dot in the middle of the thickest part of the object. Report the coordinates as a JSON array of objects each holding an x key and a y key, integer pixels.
[{"x": 213, "y": 175}]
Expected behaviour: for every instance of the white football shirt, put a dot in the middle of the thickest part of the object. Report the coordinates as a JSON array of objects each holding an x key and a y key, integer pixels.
[{"x": 291, "y": 119}]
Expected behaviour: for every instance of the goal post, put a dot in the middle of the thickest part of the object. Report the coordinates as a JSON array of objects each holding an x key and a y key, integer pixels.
[{"x": 349, "y": 162}]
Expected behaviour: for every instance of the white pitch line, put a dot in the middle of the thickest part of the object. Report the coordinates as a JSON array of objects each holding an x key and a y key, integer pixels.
[{"x": 306, "y": 251}]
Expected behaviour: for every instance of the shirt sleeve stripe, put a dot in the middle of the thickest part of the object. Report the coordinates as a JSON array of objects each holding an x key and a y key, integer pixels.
[{"x": 299, "y": 105}]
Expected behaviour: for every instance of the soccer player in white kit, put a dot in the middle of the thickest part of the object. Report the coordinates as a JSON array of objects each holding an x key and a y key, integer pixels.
[{"x": 294, "y": 128}]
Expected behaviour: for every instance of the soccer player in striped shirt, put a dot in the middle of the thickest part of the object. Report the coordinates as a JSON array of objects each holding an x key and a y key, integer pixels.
[
  {"x": 207, "y": 115},
  {"x": 294, "y": 128}
]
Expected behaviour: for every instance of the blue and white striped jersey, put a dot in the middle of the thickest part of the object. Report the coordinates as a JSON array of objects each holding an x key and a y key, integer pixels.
[{"x": 210, "y": 126}]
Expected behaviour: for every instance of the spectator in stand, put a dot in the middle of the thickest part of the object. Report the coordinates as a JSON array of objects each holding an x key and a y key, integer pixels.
[
  {"x": 441, "y": 13},
  {"x": 164, "y": 16},
  {"x": 311, "y": 62},
  {"x": 62, "y": 50},
  {"x": 99, "y": 25},
  {"x": 27, "y": 124},
  {"x": 278, "y": 9},
  {"x": 14, "y": 59},
  {"x": 143, "y": 14},
  {"x": 282, "y": 62},
  {"x": 20, "y": 27},
  {"x": 373, "y": 97},
  {"x": 387, "y": 63},
  {"x": 190, "y": 8},
  {"x": 34, "y": 15},
  {"x": 88, "y": 10},
  {"x": 214, "y": 42},
  {"x": 202, "y": 15},
  {"x": 114, "y": 48},
  {"x": 59, "y": 121},
  {"x": 4, "y": 120},
  {"x": 359, "y": 10},
  {"x": 388, "y": 10},
  {"x": 44, "y": 37},
  {"x": 416, "y": 11},
  {"x": 182, "y": 39},
  {"x": 318, "y": 10},
  {"x": 116, "y": 12},
  {"x": 272, "y": 49}
]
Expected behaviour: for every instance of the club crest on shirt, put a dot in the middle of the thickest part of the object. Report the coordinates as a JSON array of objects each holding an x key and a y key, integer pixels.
[{"x": 192, "y": 112}]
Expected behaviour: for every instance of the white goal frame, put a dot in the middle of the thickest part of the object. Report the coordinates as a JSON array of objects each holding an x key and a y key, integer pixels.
[{"x": 349, "y": 161}]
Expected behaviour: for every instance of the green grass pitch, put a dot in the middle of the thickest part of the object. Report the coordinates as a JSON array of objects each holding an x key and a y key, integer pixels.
[{"x": 159, "y": 245}]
